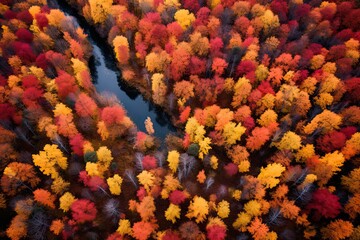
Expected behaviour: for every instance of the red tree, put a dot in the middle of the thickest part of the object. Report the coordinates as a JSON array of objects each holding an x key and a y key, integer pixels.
[
  {"x": 177, "y": 197},
  {"x": 85, "y": 106},
  {"x": 42, "y": 20},
  {"x": 197, "y": 65},
  {"x": 113, "y": 115},
  {"x": 25, "y": 16},
  {"x": 331, "y": 141},
  {"x": 83, "y": 210},
  {"x": 30, "y": 81},
  {"x": 66, "y": 84},
  {"x": 77, "y": 144},
  {"x": 353, "y": 89},
  {"x": 324, "y": 204},
  {"x": 231, "y": 169},
  {"x": 149, "y": 162},
  {"x": 24, "y": 35}
]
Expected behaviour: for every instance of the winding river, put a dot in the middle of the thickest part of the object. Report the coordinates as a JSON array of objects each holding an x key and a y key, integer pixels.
[{"x": 107, "y": 78}]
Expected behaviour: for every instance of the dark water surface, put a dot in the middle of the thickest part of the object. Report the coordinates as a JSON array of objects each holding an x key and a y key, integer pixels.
[{"x": 107, "y": 78}]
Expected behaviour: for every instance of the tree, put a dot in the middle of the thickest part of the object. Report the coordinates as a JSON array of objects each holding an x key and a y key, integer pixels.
[
  {"x": 253, "y": 208},
  {"x": 115, "y": 184},
  {"x": 352, "y": 182},
  {"x": 198, "y": 209},
  {"x": 324, "y": 204},
  {"x": 258, "y": 229},
  {"x": 124, "y": 227},
  {"x": 173, "y": 160},
  {"x": 18, "y": 227},
  {"x": 223, "y": 209},
  {"x": 290, "y": 141},
  {"x": 77, "y": 144},
  {"x": 66, "y": 84},
  {"x": 325, "y": 121},
  {"x": 85, "y": 106},
  {"x": 184, "y": 18},
  {"x": 15, "y": 177},
  {"x": 149, "y": 162},
  {"x": 189, "y": 230},
  {"x": 44, "y": 197},
  {"x": 233, "y": 132},
  {"x": 351, "y": 147},
  {"x": 57, "y": 226},
  {"x": 201, "y": 177},
  {"x": 180, "y": 61},
  {"x": 146, "y": 208},
  {"x": 330, "y": 142},
  {"x": 243, "y": 219},
  {"x": 216, "y": 229},
  {"x": 66, "y": 200},
  {"x": 269, "y": 176},
  {"x": 219, "y": 65},
  {"x": 172, "y": 213},
  {"x": 184, "y": 90},
  {"x": 142, "y": 230},
  {"x": 83, "y": 210},
  {"x": 352, "y": 207},
  {"x": 242, "y": 90},
  {"x": 338, "y": 229},
  {"x": 113, "y": 115},
  {"x": 146, "y": 179},
  {"x": 49, "y": 160},
  {"x": 121, "y": 49},
  {"x": 199, "y": 45},
  {"x": 177, "y": 197},
  {"x": 100, "y": 10},
  {"x": 158, "y": 88},
  {"x": 259, "y": 136},
  {"x": 149, "y": 126}
]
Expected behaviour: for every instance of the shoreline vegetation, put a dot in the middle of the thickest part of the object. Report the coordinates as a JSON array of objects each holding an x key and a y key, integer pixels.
[{"x": 266, "y": 95}]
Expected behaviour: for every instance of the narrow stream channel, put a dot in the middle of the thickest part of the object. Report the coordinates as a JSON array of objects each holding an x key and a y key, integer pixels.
[{"x": 107, "y": 78}]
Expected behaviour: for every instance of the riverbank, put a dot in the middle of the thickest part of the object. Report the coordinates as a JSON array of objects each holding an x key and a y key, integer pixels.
[{"x": 107, "y": 78}]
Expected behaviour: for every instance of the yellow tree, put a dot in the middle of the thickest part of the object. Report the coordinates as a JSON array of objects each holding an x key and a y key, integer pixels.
[
  {"x": 184, "y": 18},
  {"x": 223, "y": 209},
  {"x": 325, "y": 121},
  {"x": 173, "y": 160},
  {"x": 159, "y": 88},
  {"x": 269, "y": 176},
  {"x": 172, "y": 213},
  {"x": 50, "y": 160},
  {"x": 242, "y": 90},
  {"x": 115, "y": 184},
  {"x": 66, "y": 200},
  {"x": 146, "y": 179},
  {"x": 104, "y": 159},
  {"x": 233, "y": 132},
  {"x": 198, "y": 209},
  {"x": 99, "y": 9},
  {"x": 290, "y": 141}
]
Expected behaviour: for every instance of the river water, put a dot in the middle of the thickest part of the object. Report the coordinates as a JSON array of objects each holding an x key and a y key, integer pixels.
[{"x": 107, "y": 78}]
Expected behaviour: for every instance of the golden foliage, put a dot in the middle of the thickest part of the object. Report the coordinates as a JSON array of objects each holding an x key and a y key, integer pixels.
[
  {"x": 172, "y": 212},
  {"x": 269, "y": 176},
  {"x": 198, "y": 209}
]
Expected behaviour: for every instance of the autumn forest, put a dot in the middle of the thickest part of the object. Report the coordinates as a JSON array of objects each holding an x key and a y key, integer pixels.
[{"x": 264, "y": 96}]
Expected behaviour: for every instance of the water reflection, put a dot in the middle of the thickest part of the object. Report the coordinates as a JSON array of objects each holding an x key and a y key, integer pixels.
[{"x": 107, "y": 77}]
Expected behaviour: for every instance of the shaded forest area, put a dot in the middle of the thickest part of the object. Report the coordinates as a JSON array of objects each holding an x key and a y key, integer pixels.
[{"x": 266, "y": 94}]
